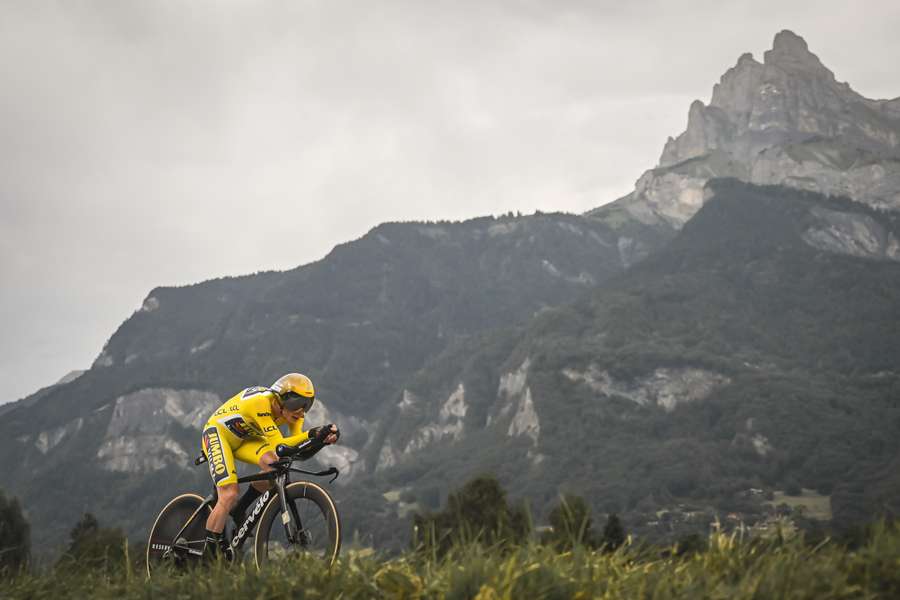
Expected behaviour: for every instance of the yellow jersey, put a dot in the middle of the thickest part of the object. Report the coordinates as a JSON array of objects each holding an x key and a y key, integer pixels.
[
  {"x": 244, "y": 428},
  {"x": 249, "y": 414}
]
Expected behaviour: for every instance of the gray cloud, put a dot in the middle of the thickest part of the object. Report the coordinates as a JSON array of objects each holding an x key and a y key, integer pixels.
[{"x": 142, "y": 141}]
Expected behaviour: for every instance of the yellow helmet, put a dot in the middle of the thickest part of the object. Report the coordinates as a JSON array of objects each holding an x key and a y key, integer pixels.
[{"x": 295, "y": 391}]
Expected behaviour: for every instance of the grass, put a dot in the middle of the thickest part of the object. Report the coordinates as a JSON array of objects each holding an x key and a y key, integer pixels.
[
  {"x": 731, "y": 568},
  {"x": 815, "y": 506}
]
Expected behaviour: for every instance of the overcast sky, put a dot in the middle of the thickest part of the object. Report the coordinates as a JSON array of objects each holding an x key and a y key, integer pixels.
[{"x": 164, "y": 143}]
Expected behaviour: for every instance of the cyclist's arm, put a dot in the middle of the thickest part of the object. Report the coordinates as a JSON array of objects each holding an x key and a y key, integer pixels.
[
  {"x": 297, "y": 434},
  {"x": 270, "y": 431},
  {"x": 296, "y": 429}
]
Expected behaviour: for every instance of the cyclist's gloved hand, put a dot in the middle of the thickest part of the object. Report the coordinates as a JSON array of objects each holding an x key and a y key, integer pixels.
[
  {"x": 282, "y": 450},
  {"x": 327, "y": 434},
  {"x": 336, "y": 433}
]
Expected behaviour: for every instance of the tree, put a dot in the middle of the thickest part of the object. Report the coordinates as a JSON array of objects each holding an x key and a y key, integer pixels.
[
  {"x": 693, "y": 543},
  {"x": 613, "y": 533},
  {"x": 15, "y": 539},
  {"x": 93, "y": 546},
  {"x": 477, "y": 511},
  {"x": 571, "y": 523}
]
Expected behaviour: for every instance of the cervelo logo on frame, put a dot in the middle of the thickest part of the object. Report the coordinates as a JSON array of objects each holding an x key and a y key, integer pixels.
[{"x": 251, "y": 519}]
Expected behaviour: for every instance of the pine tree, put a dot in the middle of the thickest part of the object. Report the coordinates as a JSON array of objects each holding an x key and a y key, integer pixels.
[
  {"x": 94, "y": 546},
  {"x": 479, "y": 510},
  {"x": 15, "y": 540},
  {"x": 613, "y": 533},
  {"x": 571, "y": 523}
]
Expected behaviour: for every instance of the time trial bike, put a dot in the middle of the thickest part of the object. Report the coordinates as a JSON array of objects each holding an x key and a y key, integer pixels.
[{"x": 290, "y": 518}]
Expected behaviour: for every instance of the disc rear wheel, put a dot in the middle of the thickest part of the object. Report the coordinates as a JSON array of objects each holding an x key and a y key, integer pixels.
[{"x": 163, "y": 549}]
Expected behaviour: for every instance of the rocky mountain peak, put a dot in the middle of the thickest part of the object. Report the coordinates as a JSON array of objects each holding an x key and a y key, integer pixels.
[
  {"x": 784, "y": 121},
  {"x": 791, "y": 51},
  {"x": 746, "y": 59},
  {"x": 756, "y": 105},
  {"x": 786, "y": 41}
]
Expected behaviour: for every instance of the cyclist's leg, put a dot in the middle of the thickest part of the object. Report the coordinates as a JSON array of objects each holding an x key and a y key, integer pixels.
[
  {"x": 258, "y": 452},
  {"x": 220, "y": 455}
]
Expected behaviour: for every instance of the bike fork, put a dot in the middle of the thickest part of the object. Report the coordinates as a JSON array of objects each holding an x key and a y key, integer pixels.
[{"x": 289, "y": 517}]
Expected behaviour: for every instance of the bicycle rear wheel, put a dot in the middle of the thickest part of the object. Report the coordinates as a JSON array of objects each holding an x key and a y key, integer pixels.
[
  {"x": 320, "y": 534},
  {"x": 163, "y": 548}
]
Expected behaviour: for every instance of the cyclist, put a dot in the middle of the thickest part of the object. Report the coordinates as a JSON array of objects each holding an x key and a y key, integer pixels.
[{"x": 246, "y": 427}]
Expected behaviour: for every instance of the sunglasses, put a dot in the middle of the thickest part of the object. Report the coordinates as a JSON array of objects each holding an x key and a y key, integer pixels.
[{"x": 293, "y": 401}]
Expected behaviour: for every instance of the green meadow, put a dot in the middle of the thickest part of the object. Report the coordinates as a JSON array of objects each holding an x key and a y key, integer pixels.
[{"x": 732, "y": 566}]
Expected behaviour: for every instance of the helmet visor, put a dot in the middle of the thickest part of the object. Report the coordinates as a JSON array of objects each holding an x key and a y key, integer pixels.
[{"x": 293, "y": 401}]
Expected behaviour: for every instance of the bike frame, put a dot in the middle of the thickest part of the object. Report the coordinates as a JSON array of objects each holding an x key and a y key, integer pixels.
[
  {"x": 243, "y": 531},
  {"x": 289, "y": 517}
]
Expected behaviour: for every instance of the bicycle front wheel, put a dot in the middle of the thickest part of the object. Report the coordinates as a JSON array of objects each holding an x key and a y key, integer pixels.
[{"x": 316, "y": 515}]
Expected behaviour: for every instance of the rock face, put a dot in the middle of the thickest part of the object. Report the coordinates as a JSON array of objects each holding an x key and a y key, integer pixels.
[
  {"x": 139, "y": 437},
  {"x": 784, "y": 121},
  {"x": 449, "y": 423},
  {"x": 666, "y": 388},
  {"x": 516, "y": 405},
  {"x": 852, "y": 234},
  {"x": 47, "y": 440},
  {"x": 342, "y": 456}
]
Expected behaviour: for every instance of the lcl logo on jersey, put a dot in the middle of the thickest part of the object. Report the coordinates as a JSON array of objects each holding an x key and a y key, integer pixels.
[{"x": 212, "y": 446}]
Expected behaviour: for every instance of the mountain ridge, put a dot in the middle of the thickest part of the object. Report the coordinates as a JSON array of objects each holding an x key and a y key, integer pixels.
[{"x": 359, "y": 321}]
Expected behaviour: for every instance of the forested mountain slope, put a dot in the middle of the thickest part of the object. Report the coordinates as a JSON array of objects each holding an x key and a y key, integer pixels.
[
  {"x": 120, "y": 439},
  {"x": 749, "y": 353}
]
